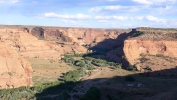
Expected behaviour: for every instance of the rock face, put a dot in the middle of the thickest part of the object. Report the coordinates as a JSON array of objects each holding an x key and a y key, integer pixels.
[
  {"x": 133, "y": 48},
  {"x": 14, "y": 70},
  {"x": 154, "y": 51},
  {"x": 99, "y": 40},
  {"x": 79, "y": 35},
  {"x": 38, "y": 32}
]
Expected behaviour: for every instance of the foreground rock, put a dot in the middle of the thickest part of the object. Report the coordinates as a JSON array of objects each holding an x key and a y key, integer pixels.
[{"x": 14, "y": 70}]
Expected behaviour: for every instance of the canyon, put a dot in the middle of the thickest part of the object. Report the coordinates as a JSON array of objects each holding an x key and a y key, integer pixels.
[
  {"x": 49, "y": 43},
  {"x": 30, "y": 52}
]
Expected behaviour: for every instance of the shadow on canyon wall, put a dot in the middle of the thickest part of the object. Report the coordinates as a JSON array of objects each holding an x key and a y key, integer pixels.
[
  {"x": 159, "y": 85},
  {"x": 111, "y": 49},
  {"x": 108, "y": 49}
]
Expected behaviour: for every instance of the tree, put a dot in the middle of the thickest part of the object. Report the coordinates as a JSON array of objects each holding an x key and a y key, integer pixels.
[
  {"x": 71, "y": 76},
  {"x": 79, "y": 63}
]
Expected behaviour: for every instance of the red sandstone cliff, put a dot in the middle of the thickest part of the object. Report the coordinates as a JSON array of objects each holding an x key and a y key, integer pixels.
[
  {"x": 14, "y": 70},
  {"x": 154, "y": 50},
  {"x": 133, "y": 48}
]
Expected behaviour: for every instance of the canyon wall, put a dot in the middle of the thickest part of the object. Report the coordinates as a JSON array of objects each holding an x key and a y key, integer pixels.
[
  {"x": 134, "y": 47},
  {"x": 80, "y": 35},
  {"x": 98, "y": 40},
  {"x": 15, "y": 71},
  {"x": 152, "y": 50}
]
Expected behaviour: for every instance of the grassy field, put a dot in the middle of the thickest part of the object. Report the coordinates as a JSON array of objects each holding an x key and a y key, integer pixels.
[{"x": 47, "y": 70}]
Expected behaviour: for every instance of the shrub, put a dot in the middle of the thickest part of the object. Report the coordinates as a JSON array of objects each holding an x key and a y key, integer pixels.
[
  {"x": 71, "y": 76},
  {"x": 131, "y": 68},
  {"x": 10, "y": 74},
  {"x": 137, "y": 34},
  {"x": 142, "y": 60},
  {"x": 118, "y": 65},
  {"x": 79, "y": 63}
]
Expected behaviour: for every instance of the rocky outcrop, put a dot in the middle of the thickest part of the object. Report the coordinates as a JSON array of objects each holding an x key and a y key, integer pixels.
[
  {"x": 152, "y": 57},
  {"x": 37, "y": 31},
  {"x": 134, "y": 47},
  {"x": 14, "y": 70},
  {"x": 79, "y": 35}
]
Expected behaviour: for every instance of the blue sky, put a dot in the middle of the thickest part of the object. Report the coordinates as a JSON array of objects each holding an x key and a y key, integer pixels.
[{"x": 90, "y": 13}]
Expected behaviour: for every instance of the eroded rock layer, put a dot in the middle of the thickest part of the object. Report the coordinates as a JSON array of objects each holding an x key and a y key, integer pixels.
[
  {"x": 133, "y": 48},
  {"x": 151, "y": 50},
  {"x": 14, "y": 70}
]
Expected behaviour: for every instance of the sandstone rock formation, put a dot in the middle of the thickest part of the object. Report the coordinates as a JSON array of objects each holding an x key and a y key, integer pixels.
[
  {"x": 159, "y": 50},
  {"x": 72, "y": 39},
  {"x": 79, "y": 35},
  {"x": 133, "y": 48},
  {"x": 14, "y": 70}
]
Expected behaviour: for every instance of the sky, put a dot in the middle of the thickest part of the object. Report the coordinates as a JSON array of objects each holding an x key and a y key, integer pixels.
[{"x": 90, "y": 13}]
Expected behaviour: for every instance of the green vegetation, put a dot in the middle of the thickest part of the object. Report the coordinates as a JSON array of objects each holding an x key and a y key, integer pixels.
[
  {"x": 151, "y": 28},
  {"x": 131, "y": 68},
  {"x": 73, "y": 55},
  {"x": 156, "y": 36},
  {"x": 156, "y": 33},
  {"x": 143, "y": 59},
  {"x": 92, "y": 94},
  {"x": 102, "y": 63},
  {"x": 74, "y": 75},
  {"x": 136, "y": 34},
  {"x": 88, "y": 62},
  {"x": 10, "y": 74},
  {"x": 39, "y": 92}
]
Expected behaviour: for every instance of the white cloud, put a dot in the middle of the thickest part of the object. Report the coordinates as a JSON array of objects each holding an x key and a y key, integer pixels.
[
  {"x": 159, "y": 2},
  {"x": 74, "y": 23},
  {"x": 65, "y": 21},
  {"x": 15, "y": 1},
  {"x": 103, "y": 21},
  {"x": 95, "y": 9},
  {"x": 156, "y": 2},
  {"x": 9, "y": 1},
  {"x": 148, "y": 2},
  {"x": 136, "y": 18},
  {"x": 173, "y": 23},
  {"x": 120, "y": 17},
  {"x": 67, "y": 16},
  {"x": 69, "y": 21},
  {"x": 139, "y": 17},
  {"x": 113, "y": 7},
  {"x": 128, "y": 25},
  {"x": 103, "y": 17},
  {"x": 155, "y": 19}
]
